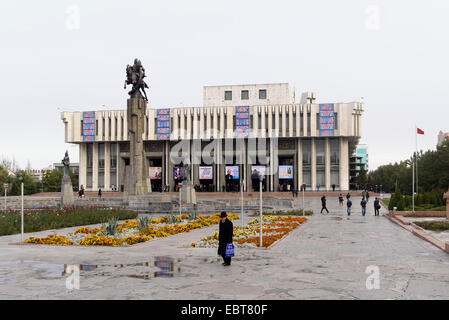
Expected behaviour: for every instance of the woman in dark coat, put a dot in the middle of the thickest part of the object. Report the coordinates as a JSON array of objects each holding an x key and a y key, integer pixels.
[{"x": 225, "y": 233}]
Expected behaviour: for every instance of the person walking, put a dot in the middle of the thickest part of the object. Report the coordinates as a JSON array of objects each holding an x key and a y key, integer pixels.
[
  {"x": 82, "y": 191},
  {"x": 340, "y": 200},
  {"x": 348, "y": 205},
  {"x": 363, "y": 205},
  {"x": 376, "y": 207},
  {"x": 333, "y": 187},
  {"x": 225, "y": 233},
  {"x": 363, "y": 194},
  {"x": 323, "y": 204},
  {"x": 318, "y": 187},
  {"x": 99, "y": 193},
  {"x": 367, "y": 196},
  {"x": 348, "y": 196}
]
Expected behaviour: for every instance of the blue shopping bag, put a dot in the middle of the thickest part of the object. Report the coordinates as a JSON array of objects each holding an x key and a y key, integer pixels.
[{"x": 229, "y": 250}]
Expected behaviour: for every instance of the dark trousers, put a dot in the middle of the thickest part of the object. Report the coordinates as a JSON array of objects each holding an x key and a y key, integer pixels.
[
  {"x": 324, "y": 208},
  {"x": 226, "y": 260},
  {"x": 376, "y": 211}
]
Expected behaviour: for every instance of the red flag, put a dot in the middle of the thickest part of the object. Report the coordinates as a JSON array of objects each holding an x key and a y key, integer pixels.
[{"x": 420, "y": 131}]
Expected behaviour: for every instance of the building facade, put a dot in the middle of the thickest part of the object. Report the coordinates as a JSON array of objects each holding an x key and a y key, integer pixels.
[
  {"x": 225, "y": 143},
  {"x": 442, "y": 136}
]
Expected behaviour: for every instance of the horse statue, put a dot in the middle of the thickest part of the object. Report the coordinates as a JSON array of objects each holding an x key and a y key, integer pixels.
[{"x": 134, "y": 76}]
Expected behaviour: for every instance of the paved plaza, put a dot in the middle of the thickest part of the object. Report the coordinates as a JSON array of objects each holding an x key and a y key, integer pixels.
[{"x": 325, "y": 258}]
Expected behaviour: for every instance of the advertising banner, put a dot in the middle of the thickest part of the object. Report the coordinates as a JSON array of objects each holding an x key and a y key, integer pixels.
[
  {"x": 256, "y": 170},
  {"x": 178, "y": 173},
  {"x": 327, "y": 120},
  {"x": 163, "y": 124},
  {"x": 233, "y": 171},
  {"x": 155, "y": 173},
  {"x": 285, "y": 172},
  {"x": 88, "y": 126},
  {"x": 205, "y": 173},
  {"x": 241, "y": 122}
]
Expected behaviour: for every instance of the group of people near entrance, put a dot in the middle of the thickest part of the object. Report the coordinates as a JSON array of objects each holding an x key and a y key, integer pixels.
[{"x": 363, "y": 203}]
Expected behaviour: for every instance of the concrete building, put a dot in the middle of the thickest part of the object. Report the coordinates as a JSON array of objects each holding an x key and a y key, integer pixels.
[
  {"x": 226, "y": 140},
  {"x": 442, "y": 136}
]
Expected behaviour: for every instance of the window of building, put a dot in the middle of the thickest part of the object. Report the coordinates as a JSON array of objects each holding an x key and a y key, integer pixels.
[
  {"x": 320, "y": 152},
  {"x": 308, "y": 123},
  {"x": 113, "y": 155},
  {"x": 96, "y": 127},
  {"x": 335, "y": 151},
  {"x": 101, "y": 155},
  {"x": 262, "y": 94},
  {"x": 82, "y": 127},
  {"x": 245, "y": 94},
  {"x": 318, "y": 121},
  {"x": 335, "y": 120},
  {"x": 89, "y": 153},
  {"x": 259, "y": 122},
  {"x": 251, "y": 122},
  {"x": 306, "y": 152},
  {"x": 295, "y": 114},
  {"x": 228, "y": 95},
  {"x": 301, "y": 122}
]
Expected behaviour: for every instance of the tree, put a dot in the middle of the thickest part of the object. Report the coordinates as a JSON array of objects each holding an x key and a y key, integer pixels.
[
  {"x": 29, "y": 185},
  {"x": 362, "y": 177},
  {"x": 52, "y": 180},
  {"x": 4, "y": 178}
]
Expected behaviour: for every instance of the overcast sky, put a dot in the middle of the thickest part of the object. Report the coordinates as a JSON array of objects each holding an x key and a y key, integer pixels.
[{"x": 71, "y": 56}]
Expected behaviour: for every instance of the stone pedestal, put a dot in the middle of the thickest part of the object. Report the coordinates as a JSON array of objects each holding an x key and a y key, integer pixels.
[
  {"x": 188, "y": 193},
  {"x": 137, "y": 179},
  {"x": 446, "y": 196},
  {"x": 67, "y": 198}
]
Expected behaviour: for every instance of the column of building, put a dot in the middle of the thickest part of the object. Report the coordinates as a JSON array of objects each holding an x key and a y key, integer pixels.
[
  {"x": 83, "y": 165},
  {"x": 327, "y": 163}
]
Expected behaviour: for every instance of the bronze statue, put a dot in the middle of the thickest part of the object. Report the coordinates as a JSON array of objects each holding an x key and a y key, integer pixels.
[
  {"x": 134, "y": 76},
  {"x": 66, "y": 163}
]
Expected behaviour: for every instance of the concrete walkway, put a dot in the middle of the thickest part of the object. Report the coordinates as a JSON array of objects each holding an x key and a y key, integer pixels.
[{"x": 325, "y": 258}]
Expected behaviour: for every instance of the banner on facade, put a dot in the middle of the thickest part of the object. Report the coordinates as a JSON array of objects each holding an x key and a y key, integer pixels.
[
  {"x": 178, "y": 173},
  {"x": 155, "y": 173},
  {"x": 285, "y": 172},
  {"x": 327, "y": 120},
  {"x": 233, "y": 171},
  {"x": 256, "y": 171},
  {"x": 163, "y": 124},
  {"x": 88, "y": 126},
  {"x": 241, "y": 122},
  {"x": 205, "y": 173}
]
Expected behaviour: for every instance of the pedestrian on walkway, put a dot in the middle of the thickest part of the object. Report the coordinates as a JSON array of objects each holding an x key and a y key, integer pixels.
[
  {"x": 340, "y": 200},
  {"x": 348, "y": 205},
  {"x": 99, "y": 193},
  {"x": 363, "y": 194},
  {"x": 225, "y": 232},
  {"x": 333, "y": 187},
  {"x": 363, "y": 205},
  {"x": 323, "y": 204},
  {"x": 348, "y": 196},
  {"x": 367, "y": 196},
  {"x": 376, "y": 207},
  {"x": 318, "y": 187}
]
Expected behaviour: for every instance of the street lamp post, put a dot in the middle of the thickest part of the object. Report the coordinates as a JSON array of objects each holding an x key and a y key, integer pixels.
[
  {"x": 241, "y": 196},
  {"x": 303, "y": 206},
  {"x": 21, "y": 211},
  {"x": 261, "y": 217}
]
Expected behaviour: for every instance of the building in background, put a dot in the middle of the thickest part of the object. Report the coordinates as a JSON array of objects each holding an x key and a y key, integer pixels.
[
  {"x": 302, "y": 143},
  {"x": 358, "y": 160},
  {"x": 442, "y": 136}
]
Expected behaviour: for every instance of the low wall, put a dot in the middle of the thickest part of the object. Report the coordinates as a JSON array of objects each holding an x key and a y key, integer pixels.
[{"x": 418, "y": 213}]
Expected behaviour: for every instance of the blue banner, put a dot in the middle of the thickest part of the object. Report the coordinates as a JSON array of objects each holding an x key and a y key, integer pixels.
[
  {"x": 163, "y": 124},
  {"x": 241, "y": 122},
  {"x": 88, "y": 126},
  {"x": 327, "y": 120}
]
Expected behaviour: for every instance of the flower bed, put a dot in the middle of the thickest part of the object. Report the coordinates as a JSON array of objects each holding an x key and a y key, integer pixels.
[
  {"x": 273, "y": 229},
  {"x": 129, "y": 233},
  {"x": 39, "y": 220}
]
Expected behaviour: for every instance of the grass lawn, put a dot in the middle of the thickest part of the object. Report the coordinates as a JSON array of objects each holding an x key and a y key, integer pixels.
[{"x": 434, "y": 225}]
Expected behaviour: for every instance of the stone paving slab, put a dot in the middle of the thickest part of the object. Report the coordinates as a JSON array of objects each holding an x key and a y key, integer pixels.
[{"x": 325, "y": 258}]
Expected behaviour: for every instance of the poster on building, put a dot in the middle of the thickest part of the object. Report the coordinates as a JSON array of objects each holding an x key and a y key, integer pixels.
[
  {"x": 88, "y": 126},
  {"x": 256, "y": 171},
  {"x": 205, "y": 173},
  {"x": 327, "y": 120},
  {"x": 155, "y": 173},
  {"x": 232, "y": 171},
  {"x": 285, "y": 172},
  {"x": 163, "y": 124},
  {"x": 178, "y": 173},
  {"x": 241, "y": 122}
]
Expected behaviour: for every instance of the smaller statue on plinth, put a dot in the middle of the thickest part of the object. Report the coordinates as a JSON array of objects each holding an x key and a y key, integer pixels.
[{"x": 66, "y": 163}]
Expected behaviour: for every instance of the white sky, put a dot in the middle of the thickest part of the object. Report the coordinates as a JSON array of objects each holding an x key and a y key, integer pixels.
[{"x": 392, "y": 53}]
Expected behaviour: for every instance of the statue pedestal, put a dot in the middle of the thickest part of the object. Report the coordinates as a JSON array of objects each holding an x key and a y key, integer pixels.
[
  {"x": 137, "y": 180},
  {"x": 67, "y": 198},
  {"x": 188, "y": 193}
]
